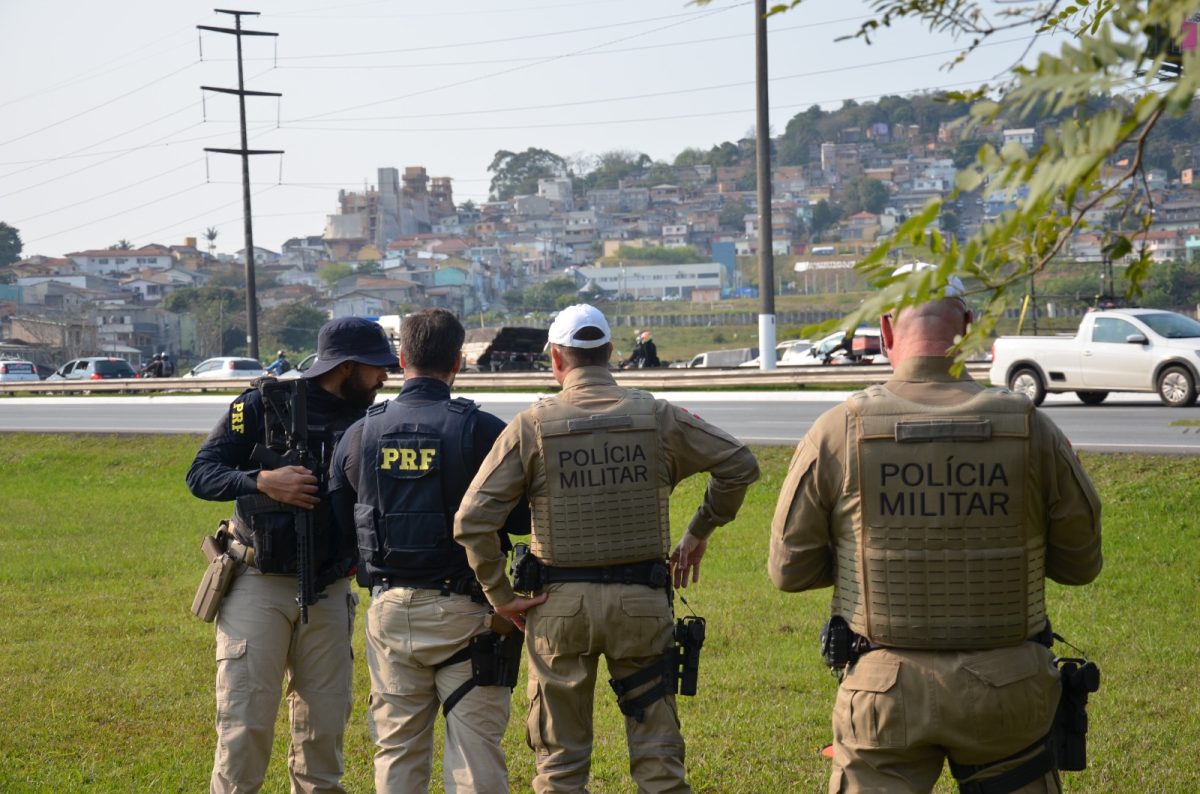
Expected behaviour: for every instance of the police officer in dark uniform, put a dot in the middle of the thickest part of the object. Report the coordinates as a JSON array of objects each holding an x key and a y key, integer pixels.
[
  {"x": 260, "y": 636},
  {"x": 398, "y": 477}
]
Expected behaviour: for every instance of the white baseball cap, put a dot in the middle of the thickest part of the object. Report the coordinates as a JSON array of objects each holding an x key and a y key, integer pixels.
[
  {"x": 573, "y": 319},
  {"x": 954, "y": 286}
]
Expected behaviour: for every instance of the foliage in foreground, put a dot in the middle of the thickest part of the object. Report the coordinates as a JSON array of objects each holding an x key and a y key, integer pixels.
[{"x": 108, "y": 679}]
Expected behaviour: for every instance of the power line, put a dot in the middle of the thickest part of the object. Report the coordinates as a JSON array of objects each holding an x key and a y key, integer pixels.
[
  {"x": 685, "y": 17},
  {"x": 118, "y": 214},
  {"x": 659, "y": 94},
  {"x": 121, "y": 189},
  {"x": 472, "y": 13},
  {"x": 202, "y": 214},
  {"x": 90, "y": 166},
  {"x": 92, "y": 72},
  {"x": 618, "y": 51},
  {"x": 106, "y": 103},
  {"x": 504, "y": 71}
]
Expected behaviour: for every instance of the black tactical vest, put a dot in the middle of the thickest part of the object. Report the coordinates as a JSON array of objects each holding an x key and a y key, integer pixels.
[
  {"x": 270, "y": 526},
  {"x": 413, "y": 473}
]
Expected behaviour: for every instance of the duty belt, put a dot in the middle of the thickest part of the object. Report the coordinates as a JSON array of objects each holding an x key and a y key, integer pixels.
[
  {"x": 651, "y": 573},
  {"x": 463, "y": 585}
]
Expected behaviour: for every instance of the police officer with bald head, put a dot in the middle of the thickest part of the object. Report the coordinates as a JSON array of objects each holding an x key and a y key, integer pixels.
[
  {"x": 936, "y": 509},
  {"x": 597, "y": 463}
]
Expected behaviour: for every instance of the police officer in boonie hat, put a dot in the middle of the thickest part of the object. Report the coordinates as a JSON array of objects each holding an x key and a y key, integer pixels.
[
  {"x": 351, "y": 339},
  {"x": 259, "y": 632}
]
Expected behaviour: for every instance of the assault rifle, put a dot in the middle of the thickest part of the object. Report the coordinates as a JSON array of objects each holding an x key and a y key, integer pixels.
[{"x": 287, "y": 428}]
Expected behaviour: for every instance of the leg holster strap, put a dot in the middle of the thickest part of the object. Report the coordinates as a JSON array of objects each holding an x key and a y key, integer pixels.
[
  {"x": 662, "y": 668},
  {"x": 1012, "y": 780},
  {"x": 462, "y": 655}
]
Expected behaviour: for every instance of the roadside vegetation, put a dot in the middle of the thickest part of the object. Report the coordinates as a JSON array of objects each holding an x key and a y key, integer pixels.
[{"x": 109, "y": 679}]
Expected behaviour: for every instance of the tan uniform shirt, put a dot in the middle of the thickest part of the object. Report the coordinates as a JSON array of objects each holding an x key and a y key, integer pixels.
[
  {"x": 514, "y": 470},
  {"x": 811, "y": 510}
]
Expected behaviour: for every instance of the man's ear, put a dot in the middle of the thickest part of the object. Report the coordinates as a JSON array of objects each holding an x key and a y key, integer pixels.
[
  {"x": 400, "y": 355},
  {"x": 458, "y": 363},
  {"x": 886, "y": 332}
]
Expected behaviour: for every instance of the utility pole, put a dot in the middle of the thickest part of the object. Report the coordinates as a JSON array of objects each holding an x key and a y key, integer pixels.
[
  {"x": 245, "y": 152},
  {"x": 766, "y": 254}
]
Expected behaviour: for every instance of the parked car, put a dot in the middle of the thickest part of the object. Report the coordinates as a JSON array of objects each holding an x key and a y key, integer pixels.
[
  {"x": 226, "y": 367},
  {"x": 791, "y": 353},
  {"x": 94, "y": 368},
  {"x": 298, "y": 370},
  {"x": 1118, "y": 350},
  {"x": 16, "y": 369},
  {"x": 724, "y": 358}
]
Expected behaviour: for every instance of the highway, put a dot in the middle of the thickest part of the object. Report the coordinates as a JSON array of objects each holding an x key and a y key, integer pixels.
[{"x": 1124, "y": 423}]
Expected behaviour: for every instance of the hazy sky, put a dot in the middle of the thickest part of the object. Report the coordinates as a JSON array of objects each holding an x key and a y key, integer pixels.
[{"x": 103, "y": 123}]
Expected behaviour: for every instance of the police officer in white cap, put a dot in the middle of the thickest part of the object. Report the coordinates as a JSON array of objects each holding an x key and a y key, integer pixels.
[
  {"x": 936, "y": 508},
  {"x": 597, "y": 464}
]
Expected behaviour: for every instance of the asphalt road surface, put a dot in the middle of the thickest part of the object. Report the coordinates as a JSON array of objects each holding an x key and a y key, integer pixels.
[{"x": 1124, "y": 423}]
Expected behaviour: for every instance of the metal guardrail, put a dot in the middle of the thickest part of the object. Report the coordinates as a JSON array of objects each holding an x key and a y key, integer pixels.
[{"x": 706, "y": 378}]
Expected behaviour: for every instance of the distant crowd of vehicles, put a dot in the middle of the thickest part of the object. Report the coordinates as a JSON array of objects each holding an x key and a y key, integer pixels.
[{"x": 1114, "y": 350}]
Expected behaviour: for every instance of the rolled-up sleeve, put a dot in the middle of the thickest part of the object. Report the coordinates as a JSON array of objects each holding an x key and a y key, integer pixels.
[
  {"x": 498, "y": 486},
  {"x": 801, "y": 550},
  {"x": 692, "y": 446},
  {"x": 1073, "y": 553}
]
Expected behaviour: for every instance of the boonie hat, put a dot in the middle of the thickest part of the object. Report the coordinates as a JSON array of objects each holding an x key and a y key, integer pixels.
[
  {"x": 351, "y": 339},
  {"x": 954, "y": 286},
  {"x": 573, "y": 319}
]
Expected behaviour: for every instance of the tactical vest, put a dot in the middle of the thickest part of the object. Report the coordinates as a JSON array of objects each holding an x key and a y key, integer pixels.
[
  {"x": 270, "y": 526},
  {"x": 941, "y": 534},
  {"x": 605, "y": 501},
  {"x": 412, "y": 476}
]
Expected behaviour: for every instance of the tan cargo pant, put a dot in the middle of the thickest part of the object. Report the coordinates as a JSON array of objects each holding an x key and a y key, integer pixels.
[
  {"x": 410, "y": 632},
  {"x": 899, "y": 714},
  {"x": 260, "y": 640},
  {"x": 631, "y": 625}
]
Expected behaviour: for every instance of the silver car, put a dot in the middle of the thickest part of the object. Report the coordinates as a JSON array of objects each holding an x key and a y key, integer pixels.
[{"x": 226, "y": 367}]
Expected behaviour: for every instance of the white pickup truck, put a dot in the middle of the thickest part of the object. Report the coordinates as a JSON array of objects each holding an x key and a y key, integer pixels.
[{"x": 1130, "y": 350}]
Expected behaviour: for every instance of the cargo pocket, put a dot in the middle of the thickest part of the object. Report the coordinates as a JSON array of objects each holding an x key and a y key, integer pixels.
[
  {"x": 533, "y": 723},
  {"x": 869, "y": 706},
  {"x": 233, "y": 674},
  {"x": 351, "y": 613},
  {"x": 555, "y": 626},
  {"x": 645, "y": 628},
  {"x": 1010, "y": 691}
]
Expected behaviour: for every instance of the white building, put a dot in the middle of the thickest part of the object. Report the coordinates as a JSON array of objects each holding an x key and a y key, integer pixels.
[{"x": 655, "y": 281}]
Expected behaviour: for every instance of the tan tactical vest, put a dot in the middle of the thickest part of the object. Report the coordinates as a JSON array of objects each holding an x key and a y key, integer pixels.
[
  {"x": 603, "y": 503},
  {"x": 941, "y": 542}
]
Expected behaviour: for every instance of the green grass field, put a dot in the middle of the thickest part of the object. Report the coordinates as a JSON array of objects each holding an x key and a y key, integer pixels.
[{"x": 108, "y": 680}]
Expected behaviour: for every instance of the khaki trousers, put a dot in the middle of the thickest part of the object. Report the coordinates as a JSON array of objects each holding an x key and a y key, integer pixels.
[
  {"x": 630, "y": 625},
  {"x": 899, "y": 714},
  {"x": 260, "y": 640},
  {"x": 409, "y": 633}
]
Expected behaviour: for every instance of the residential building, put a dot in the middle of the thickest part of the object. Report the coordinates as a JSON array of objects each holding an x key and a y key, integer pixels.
[{"x": 657, "y": 281}]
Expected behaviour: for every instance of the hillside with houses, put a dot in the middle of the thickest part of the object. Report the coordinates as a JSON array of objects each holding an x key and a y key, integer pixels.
[{"x": 618, "y": 226}]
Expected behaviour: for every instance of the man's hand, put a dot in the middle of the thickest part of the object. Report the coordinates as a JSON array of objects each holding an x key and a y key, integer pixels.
[
  {"x": 292, "y": 485},
  {"x": 686, "y": 558},
  {"x": 515, "y": 610}
]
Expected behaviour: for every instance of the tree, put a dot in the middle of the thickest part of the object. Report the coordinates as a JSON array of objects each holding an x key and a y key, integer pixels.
[
  {"x": 614, "y": 166},
  {"x": 292, "y": 326},
  {"x": 468, "y": 206},
  {"x": 331, "y": 274},
  {"x": 517, "y": 173},
  {"x": 733, "y": 216},
  {"x": 218, "y": 314},
  {"x": 210, "y": 234},
  {"x": 824, "y": 215},
  {"x": 122, "y": 245},
  {"x": 865, "y": 194},
  {"x": 555, "y": 293},
  {"x": 1101, "y": 51},
  {"x": 369, "y": 268},
  {"x": 10, "y": 245}
]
